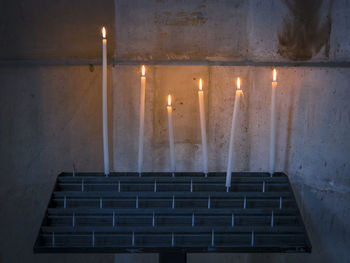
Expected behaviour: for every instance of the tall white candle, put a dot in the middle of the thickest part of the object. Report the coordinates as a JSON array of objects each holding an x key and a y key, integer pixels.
[
  {"x": 273, "y": 123},
  {"x": 232, "y": 137},
  {"x": 142, "y": 118},
  {"x": 104, "y": 102},
  {"x": 171, "y": 135},
  {"x": 203, "y": 129}
]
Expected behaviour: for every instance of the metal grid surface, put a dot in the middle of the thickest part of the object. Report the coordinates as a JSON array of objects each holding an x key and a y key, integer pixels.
[{"x": 158, "y": 212}]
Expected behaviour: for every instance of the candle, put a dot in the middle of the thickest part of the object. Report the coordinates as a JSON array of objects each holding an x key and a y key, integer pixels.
[
  {"x": 171, "y": 135},
  {"x": 232, "y": 137},
  {"x": 203, "y": 130},
  {"x": 273, "y": 122},
  {"x": 104, "y": 102},
  {"x": 142, "y": 118}
]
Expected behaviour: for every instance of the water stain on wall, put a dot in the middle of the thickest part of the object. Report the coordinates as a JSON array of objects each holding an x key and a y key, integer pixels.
[
  {"x": 167, "y": 18},
  {"x": 304, "y": 33}
]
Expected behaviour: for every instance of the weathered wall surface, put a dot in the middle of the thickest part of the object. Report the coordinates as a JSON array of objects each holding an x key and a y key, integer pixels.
[
  {"x": 233, "y": 30},
  {"x": 178, "y": 30},
  {"x": 50, "y": 115}
]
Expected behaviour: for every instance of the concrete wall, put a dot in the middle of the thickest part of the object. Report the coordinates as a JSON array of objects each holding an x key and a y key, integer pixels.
[
  {"x": 50, "y": 110},
  {"x": 61, "y": 30},
  {"x": 176, "y": 30}
]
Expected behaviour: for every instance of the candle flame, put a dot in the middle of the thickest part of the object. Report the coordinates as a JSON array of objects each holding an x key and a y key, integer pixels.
[
  {"x": 103, "y": 32},
  {"x": 169, "y": 100},
  {"x": 143, "y": 70},
  {"x": 238, "y": 83},
  {"x": 200, "y": 84},
  {"x": 274, "y": 75}
]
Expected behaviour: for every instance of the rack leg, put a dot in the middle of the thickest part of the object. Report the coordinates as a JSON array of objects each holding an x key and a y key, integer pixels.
[{"x": 172, "y": 257}]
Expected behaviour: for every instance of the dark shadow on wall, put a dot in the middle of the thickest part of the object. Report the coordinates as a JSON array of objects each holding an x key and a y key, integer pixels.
[
  {"x": 289, "y": 130},
  {"x": 304, "y": 32},
  {"x": 324, "y": 221},
  {"x": 51, "y": 117}
]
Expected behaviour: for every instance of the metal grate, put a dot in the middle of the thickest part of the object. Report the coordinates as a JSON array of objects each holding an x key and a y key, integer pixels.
[{"x": 92, "y": 213}]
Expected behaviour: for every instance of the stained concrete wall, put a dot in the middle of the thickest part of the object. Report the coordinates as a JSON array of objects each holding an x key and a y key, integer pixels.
[
  {"x": 50, "y": 115},
  {"x": 233, "y": 30}
]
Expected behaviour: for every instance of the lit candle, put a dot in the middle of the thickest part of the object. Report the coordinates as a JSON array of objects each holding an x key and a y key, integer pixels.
[
  {"x": 273, "y": 122},
  {"x": 232, "y": 137},
  {"x": 203, "y": 130},
  {"x": 104, "y": 102},
  {"x": 171, "y": 135},
  {"x": 142, "y": 118}
]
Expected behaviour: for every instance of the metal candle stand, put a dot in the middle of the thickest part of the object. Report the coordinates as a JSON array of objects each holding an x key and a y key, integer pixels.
[{"x": 171, "y": 215}]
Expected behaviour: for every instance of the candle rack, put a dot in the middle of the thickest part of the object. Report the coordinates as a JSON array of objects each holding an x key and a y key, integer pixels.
[{"x": 171, "y": 215}]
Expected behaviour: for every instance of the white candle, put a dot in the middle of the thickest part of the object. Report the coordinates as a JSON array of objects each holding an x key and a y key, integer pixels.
[
  {"x": 104, "y": 102},
  {"x": 232, "y": 137},
  {"x": 171, "y": 135},
  {"x": 203, "y": 130},
  {"x": 142, "y": 119},
  {"x": 273, "y": 123}
]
